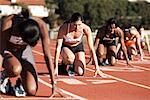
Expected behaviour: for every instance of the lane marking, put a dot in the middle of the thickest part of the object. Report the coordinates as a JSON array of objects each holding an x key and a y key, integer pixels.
[
  {"x": 36, "y": 98},
  {"x": 43, "y": 54},
  {"x": 80, "y": 77},
  {"x": 141, "y": 62},
  {"x": 122, "y": 80},
  {"x": 102, "y": 81},
  {"x": 71, "y": 81},
  {"x": 64, "y": 91},
  {"x": 123, "y": 63},
  {"x": 122, "y": 69},
  {"x": 147, "y": 57}
]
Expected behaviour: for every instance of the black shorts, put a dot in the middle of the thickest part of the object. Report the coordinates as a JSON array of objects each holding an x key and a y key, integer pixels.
[
  {"x": 75, "y": 49},
  {"x": 107, "y": 43},
  {"x": 23, "y": 54}
]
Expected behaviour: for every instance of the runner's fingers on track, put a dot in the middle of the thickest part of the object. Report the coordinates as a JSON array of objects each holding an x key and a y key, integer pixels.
[
  {"x": 97, "y": 72},
  {"x": 101, "y": 74},
  {"x": 129, "y": 65},
  {"x": 58, "y": 91},
  {"x": 56, "y": 72}
]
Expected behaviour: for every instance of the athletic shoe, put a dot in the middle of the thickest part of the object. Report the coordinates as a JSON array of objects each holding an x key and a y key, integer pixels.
[
  {"x": 19, "y": 90},
  {"x": 107, "y": 62},
  {"x": 6, "y": 87},
  {"x": 71, "y": 73},
  {"x": 130, "y": 57},
  {"x": 5, "y": 84},
  {"x": 2, "y": 76},
  {"x": 71, "y": 70}
]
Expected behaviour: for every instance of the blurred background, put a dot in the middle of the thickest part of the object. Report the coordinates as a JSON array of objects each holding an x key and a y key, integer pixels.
[{"x": 95, "y": 12}]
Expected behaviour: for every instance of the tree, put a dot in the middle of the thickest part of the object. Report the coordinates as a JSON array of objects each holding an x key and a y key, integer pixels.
[{"x": 96, "y": 12}]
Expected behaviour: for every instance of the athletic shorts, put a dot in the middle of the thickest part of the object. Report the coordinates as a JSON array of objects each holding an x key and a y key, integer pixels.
[
  {"x": 75, "y": 49},
  {"x": 107, "y": 43},
  {"x": 22, "y": 54},
  {"x": 129, "y": 43}
]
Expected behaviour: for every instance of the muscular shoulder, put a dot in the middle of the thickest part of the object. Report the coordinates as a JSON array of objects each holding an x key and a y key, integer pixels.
[
  {"x": 102, "y": 29},
  {"x": 7, "y": 22},
  {"x": 119, "y": 31},
  {"x": 101, "y": 32},
  {"x": 86, "y": 29},
  {"x": 9, "y": 17},
  {"x": 63, "y": 27},
  {"x": 62, "y": 30},
  {"x": 39, "y": 21}
]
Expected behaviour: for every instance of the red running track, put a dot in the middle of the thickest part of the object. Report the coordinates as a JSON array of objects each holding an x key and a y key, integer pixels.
[{"x": 122, "y": 83}]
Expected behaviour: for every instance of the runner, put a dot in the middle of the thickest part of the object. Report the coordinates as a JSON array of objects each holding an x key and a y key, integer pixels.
[
  {"x": 105, "y": 42},
  {"x": 144, "y": 39},
  {"x": 133, "y": 43},
  {"x": 70, "y": 45},
  {"x": 19, "y": 34}
]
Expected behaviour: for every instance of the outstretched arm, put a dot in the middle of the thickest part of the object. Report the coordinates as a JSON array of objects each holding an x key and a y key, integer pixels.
[
  {"x": 147, "y": 43},
  {"x": 61, "y": 33},
  {"x": 138, "y": 39},
  {"x": 57, "y": 54},
  {"x": 46, "y": 50},
  {"x": 123, "y": 45},
  {"x": 88, "y": 33}
]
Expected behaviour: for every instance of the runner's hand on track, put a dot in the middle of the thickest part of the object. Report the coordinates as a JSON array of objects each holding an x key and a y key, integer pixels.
[
  {"x": 56, "y": 90},
  {"x": 98, "y": 72},
  {"x": 56, "y": 72},
  {"x": 129, "y": 64}
]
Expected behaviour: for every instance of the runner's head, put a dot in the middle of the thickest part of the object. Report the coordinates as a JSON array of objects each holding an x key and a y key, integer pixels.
[
  {"x": 133, "y": 30},
  {"x": 29, "y": 31},
  {"x": 111, "y": 23},
  {"x": 76, "y": 19}
]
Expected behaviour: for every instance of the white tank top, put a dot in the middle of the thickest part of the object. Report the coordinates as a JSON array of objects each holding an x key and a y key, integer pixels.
[
  {"x": 69, "y": 38},
  {"x": 17, "y": 40}
]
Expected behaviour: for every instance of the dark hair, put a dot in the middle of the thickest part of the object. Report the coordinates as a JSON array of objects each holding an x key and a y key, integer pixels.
[
  {"x": 112, "y": 21},
  {"x": 29, "y": 31},
  {"x": 75, "y": 17},
  {"x": 25, "y": 13}
]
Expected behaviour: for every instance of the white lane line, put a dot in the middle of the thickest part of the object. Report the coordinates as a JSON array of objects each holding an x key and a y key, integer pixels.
[
  {"x": 119, "y": 79},
  {"x": 122, "y": 80},
  {"x": 102, "y": 81},
  {"x": 123, "y": 63},
  {"x": 78, "y": 77},
  {"x": 66, "y": 92},
  {"x": 42, "y": 54},
  {"x": 122, "y": 69},
  {"x": 71, "y": 81},
  {"x": 36, "y": 98}
]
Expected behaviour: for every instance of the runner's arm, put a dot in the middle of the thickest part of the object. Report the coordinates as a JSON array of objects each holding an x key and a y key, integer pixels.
[
  {"x": 46, "y": 49},
  {"x": 58, "y": 48},
  {"x": 88, "y": 33},
  {"x": 121, "y": 34},
  {"x": 147, "y": 43},
  {"x": 138, "y": 39}
]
